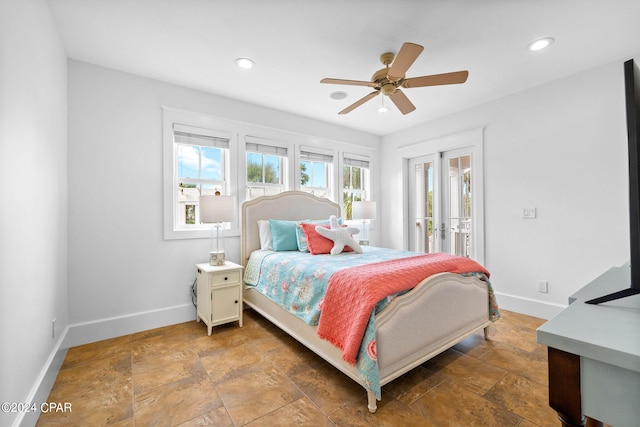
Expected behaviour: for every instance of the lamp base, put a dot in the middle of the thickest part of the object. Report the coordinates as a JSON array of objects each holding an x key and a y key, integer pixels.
[{"x": 216, "y": 258}]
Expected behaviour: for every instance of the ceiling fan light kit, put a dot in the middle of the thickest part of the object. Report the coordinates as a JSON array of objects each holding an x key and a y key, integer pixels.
[
  {"x": 382, "y": 108},
  {"x": 392, "y": 77}
]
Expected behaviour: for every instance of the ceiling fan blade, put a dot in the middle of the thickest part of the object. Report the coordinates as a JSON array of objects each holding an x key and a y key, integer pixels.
[
  {"x": 348, "y": 82},
  {"x": 359, "y": 102},
  {"x": 402, "y": 102},
  {"x": 437, "y": 79},
  {"x": 409, "y": 52}
]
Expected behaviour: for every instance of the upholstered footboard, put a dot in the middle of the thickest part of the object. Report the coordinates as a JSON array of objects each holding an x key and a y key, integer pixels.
[{"x": 440, "y": 312}]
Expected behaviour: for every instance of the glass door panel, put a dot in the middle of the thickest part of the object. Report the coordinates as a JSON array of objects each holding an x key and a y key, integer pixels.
[
  {"x": 445, "y": 210},
  {"x": 458, "y": 205},
  {"x": 423, "y": 214}
]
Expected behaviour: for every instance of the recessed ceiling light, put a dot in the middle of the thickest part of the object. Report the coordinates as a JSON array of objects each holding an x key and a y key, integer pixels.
[
  {"x": 541, "y": 43},
  {"x": 245, "y": 63},
  {"x": 338, "y": 95}
]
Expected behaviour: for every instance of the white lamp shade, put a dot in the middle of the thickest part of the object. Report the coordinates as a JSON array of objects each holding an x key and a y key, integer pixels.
[
  {"x": 217, "y": 209},
  {"x": 363, "y": 210}
]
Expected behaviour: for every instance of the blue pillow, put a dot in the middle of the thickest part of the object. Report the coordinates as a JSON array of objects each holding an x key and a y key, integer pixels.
[{"x": 283, "y": 234}]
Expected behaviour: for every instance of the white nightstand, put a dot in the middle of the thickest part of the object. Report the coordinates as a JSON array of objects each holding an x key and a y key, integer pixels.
[{"x": 219, "y": 294}]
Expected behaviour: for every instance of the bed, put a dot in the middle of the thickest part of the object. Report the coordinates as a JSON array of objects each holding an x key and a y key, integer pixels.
[{"x": 453, "y": 306}]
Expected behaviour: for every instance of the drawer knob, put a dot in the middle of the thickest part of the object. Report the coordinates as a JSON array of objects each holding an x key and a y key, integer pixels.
[
  {"x": 226, "y": 278},
  {"x": 236, "y": 301}
]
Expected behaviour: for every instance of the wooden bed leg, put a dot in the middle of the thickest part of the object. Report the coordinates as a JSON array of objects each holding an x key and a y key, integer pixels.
[
  {"x": 486, "y": 332},
  {"x": 371, "y": 402}
]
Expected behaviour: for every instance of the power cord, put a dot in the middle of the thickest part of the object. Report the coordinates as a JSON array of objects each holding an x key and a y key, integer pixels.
[{"x": 194, "y": 293}]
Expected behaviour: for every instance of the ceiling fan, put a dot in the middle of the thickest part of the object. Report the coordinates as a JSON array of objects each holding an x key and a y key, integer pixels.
[{"x": 390, "y": 79}]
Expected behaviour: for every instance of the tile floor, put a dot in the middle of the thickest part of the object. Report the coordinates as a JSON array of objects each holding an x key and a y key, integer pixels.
[{"x": 258, "y": 376}]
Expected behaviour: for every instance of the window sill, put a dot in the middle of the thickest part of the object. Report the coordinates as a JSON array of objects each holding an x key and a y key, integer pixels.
[{"x": 182, "y": 234}]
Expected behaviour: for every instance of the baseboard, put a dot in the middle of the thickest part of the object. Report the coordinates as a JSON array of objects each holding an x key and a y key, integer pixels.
[
  {"x": 530, "y": 307},
  {"x": 102, "y": 329},
  {"x": 43, "y": 384},
  {"x": 83, "y": 333}
]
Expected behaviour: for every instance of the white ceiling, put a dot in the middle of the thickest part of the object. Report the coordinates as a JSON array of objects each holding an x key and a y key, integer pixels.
[{"x": 194, "y": 43}]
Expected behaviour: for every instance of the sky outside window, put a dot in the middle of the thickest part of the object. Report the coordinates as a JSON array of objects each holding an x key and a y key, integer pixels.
[
  {"x": 317, "y": 175},
  {"x": 199, "y": 162}
]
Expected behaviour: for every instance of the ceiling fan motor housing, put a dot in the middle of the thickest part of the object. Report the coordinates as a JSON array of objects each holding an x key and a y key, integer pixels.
[
  {"x": 388, "y": 89},
  {"x": 386, "y": 86}
]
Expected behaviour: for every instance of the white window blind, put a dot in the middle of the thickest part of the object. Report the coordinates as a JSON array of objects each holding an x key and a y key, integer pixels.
[
  {"x": 195, "y": 139},
  {"x": 310, "y": 156},
  {"x": 360, "y": 163},
  {"x": 266, "y": 149}
]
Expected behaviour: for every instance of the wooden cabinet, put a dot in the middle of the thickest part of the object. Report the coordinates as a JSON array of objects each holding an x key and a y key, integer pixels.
[
  {"x": 594, "y": 355},
  {"x": 219, "y": 294}
]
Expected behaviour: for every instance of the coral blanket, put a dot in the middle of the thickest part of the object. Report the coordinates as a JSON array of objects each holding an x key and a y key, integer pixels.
[{"x": 353, "y": 293}]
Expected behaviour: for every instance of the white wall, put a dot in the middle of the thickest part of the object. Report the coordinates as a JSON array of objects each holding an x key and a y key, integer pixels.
[
  {"x": 561, "y": 148},
  {"x": 33, "y": 210},
  {"x": 123, "y": 276}
]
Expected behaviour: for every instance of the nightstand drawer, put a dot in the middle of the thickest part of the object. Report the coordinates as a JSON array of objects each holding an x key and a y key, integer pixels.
[{"x": 225, "y": 277}]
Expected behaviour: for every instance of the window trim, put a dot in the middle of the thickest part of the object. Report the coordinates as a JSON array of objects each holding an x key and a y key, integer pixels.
[
  {"x": 215, "y": 184},
  {"x": 208, "y": 126},
  {"x": 280, "y": 149},
  {"x": 364, "y": 163},
  {"x": 320, "y": 155},
  {"x": 191, "y": 136},
  {"x": 241, "y": 132}
]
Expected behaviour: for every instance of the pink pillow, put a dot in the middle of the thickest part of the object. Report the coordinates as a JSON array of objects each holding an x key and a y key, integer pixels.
[{"x": 318, "y": 244}]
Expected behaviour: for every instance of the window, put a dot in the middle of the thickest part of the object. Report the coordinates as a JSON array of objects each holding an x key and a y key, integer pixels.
[
  {"x": 201, "y": 159},
  {"x": 266, "y": 168},
  {"x": 315, "y": 173},
  {"x": 203, "y": 154},
  {"x": 355, "y": 182}
]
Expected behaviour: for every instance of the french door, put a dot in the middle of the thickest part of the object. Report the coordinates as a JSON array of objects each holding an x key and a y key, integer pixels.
[
  {"x": 424, "y": 204},
  {"x": 442, "y": 215}
]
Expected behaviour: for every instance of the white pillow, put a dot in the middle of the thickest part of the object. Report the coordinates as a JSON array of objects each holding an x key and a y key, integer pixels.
[{"x": 266, "y": 241}]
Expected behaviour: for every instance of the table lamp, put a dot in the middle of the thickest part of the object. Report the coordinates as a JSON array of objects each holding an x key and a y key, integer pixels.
[
  {"x": 216, "y": 210},
  {"x": 365, "y": 210}
]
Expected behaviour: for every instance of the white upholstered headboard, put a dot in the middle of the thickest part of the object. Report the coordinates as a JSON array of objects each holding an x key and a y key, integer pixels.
[{"x": 289, "y": 205}]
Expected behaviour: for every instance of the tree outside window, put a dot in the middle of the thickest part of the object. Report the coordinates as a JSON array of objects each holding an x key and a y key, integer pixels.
[{"x": 265, "y": 171}]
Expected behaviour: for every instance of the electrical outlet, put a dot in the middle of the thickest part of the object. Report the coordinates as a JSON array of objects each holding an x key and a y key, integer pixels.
[
  {"x": 543, "y": 286},
  {"x": 529, "y": 213}
]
